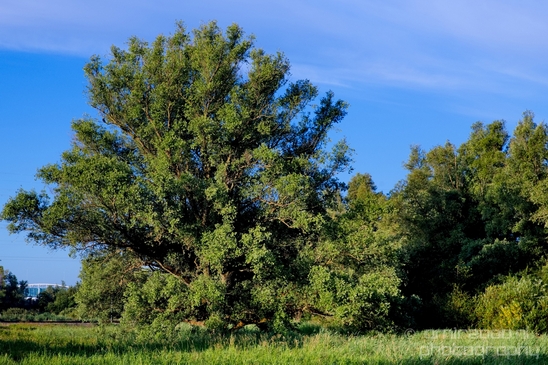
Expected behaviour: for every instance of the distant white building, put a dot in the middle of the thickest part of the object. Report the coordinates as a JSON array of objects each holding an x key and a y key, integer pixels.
[{"x": 32, "y": 290}]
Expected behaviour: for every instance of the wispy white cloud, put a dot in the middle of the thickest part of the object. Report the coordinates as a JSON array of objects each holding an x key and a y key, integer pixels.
[
  {"x": 489, "y": 23},
  {"x": 439, "y": 45}
]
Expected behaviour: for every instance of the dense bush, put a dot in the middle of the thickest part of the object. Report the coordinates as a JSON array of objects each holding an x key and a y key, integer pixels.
[
  {"x": 156, "y": 303},
  {"x": 354, "y": 278},
  {"x": 104, "y": 281},
  {"x": 456, "y": 309},
  {"x": 357, "y": 302},
  {"x": 516, "y": 303}
]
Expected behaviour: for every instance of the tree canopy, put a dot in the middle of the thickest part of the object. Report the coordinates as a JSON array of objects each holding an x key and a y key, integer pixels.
[{"x": 206, "y": 162}]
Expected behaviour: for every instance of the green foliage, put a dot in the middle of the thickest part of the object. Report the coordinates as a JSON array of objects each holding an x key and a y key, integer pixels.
[
  {"x": 104, "y": 279},
  {"x": 358, "y": 302},
  {"x": 32, "y": 315},
  {"x": 205, "y": 194},
  {"x": 159, "y": 303},
  {"x": 207, "y": 163},
  {"x": 516, "y": 303},
  {"x": 65, "y": 302},
  {"x": 354, "y": 277},
  {"x": 457, "y": 309},
  {"x": 471, "y": 214},
  {"x": 2, "y": 289},
  {"x": 57, "y": 300},
  {"x": 12, "y": 292},
  {"x": 15, "y": 314}
]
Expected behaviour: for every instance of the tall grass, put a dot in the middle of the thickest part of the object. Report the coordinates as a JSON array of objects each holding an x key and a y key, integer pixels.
[{"x": 63, "y": 344}]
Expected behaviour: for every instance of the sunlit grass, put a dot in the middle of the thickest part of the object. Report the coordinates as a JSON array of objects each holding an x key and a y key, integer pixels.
[{"x": 63, "y": 344}]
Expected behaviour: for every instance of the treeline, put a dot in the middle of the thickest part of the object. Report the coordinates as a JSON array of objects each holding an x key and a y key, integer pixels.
[
  {"x": 460, "y": 243},
  {"x": 53, "y": 303},
  {"x": 474, "y": 222},
  {"x": 205, "y": 194}
]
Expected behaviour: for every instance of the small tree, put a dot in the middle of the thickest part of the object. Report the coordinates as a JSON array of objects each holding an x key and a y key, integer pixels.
[
  {"x": 207, "y": 163},
  {"x": 2, "y": 288},
  {"x": 355, "y": 273},
  {"x": 12, "y": 292},
  {"x": 57, "y": 299}
]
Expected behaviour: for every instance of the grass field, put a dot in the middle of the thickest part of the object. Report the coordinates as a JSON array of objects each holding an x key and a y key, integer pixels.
[{"x": 66, "y": 344}]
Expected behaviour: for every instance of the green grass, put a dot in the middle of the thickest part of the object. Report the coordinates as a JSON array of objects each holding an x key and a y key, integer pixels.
[{"x": 65, "y": 344}]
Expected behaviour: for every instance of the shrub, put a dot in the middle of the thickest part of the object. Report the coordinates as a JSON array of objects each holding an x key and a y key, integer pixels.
[
  {"x": 457, "y": 309},
  {"x": 156, "y": 304},
  {"x": 16, "y": 314},
  {"x": 359, "y": 303},
  {"x": 516, "y": 303}
]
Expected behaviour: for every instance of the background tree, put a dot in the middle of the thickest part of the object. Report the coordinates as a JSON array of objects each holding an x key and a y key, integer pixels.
[
  {"x": 435, "y": 218},
  {"x": 13, "y": 291},
  {"x": 2, "y": 288},
  {"x": 355, "y": 275},
  {"x": 471, "y": 216},
  {"x": 57, "y": 300},
  {"x": 206, "y": 163}
]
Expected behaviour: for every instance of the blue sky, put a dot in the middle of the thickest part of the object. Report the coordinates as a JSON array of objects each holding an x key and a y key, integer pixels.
[{"x": 414, "y": 72}]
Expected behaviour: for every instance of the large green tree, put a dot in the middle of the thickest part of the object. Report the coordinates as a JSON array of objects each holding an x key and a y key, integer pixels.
[{"x": 206, "y": 163}]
